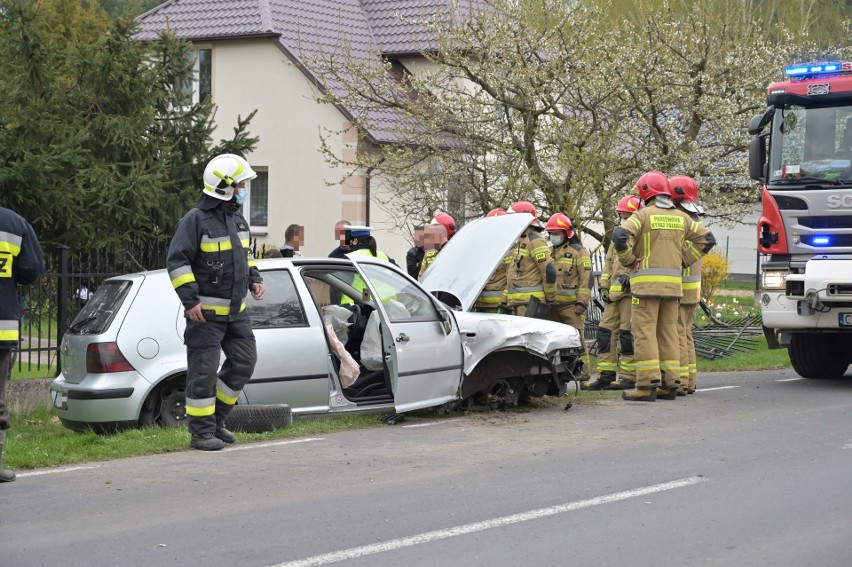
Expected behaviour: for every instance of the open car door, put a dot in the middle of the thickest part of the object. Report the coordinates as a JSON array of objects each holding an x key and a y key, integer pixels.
[{"x": 419, "y": 334}]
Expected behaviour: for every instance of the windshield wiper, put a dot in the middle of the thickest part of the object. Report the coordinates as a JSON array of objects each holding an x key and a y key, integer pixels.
[
  {"x": 807, "y": 179},
  {"x": 78, "y": 326}
]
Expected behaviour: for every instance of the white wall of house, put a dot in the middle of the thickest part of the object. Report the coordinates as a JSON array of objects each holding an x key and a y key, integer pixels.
[{"x": 255, "y": 74}]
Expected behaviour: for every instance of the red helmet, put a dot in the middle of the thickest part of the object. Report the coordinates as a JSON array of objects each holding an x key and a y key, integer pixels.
[
  {"x": 628, "y": 204},
  {"x": 495, "y": 212},
  {"x": 560, "y": 222},
  {"x": 652, "y": 184},
  {"x": 684, "y": 189},
  {"x": 522, "y": 207},
  {"x": 447, "y": 222}
]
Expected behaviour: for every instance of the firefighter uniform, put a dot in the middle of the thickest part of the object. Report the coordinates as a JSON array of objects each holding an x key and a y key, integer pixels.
[
  {"x": 664, "y": 239},
  {"x": 492, "y": 294},
  {"x": 209, "y": 262},
  {"x": 21, "y": 263},
  {"x": 688, "y": 304},
  {"x": 531, "y": 273},
  {"x": 573, "y": 268},
  {"x": 614, "y": 333}
]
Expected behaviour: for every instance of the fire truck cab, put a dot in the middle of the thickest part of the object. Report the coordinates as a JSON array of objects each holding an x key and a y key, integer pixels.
[{"x": 802, "y": 152}]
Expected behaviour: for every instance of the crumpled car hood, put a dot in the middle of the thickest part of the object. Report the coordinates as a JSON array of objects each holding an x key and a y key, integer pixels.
[{"x": 484, "y": 333}]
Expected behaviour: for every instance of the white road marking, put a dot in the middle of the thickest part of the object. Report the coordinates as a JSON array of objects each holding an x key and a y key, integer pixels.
[
  {"x": 53, "y": 471},
  {"x": 270, "y": 444},
  {"x": 355, "y": 552},
  {"x": 716, "y": 388},
  {"x": 847, "y": 446},
  {"x": 790, "y": 379},
  {"x": 429, "y": 423}
]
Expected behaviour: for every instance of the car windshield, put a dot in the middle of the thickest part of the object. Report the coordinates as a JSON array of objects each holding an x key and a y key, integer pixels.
[
  {"x": 97, "y": 314},
  {"x": 812, "y": 146}
]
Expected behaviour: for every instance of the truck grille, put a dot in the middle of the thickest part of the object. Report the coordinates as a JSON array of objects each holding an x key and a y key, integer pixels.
[
  {"x": 824, "y": 223},
  {"x": 840, "y": 289}
]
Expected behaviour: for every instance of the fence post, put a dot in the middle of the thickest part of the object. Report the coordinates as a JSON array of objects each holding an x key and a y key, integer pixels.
[{"x": 62, "y": 303}]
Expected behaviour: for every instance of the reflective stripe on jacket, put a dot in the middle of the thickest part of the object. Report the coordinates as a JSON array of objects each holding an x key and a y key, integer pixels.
[
  {"x": 527, "y": 274},
  {"x": 665, "y": 239},
  {"x": 612, "y": 271},
  {"x": 209, "y": 260},
  {"x": 492, "y": 293},
  {"x": 573, "y": 267},
  {"x": 21, "y": 262}
]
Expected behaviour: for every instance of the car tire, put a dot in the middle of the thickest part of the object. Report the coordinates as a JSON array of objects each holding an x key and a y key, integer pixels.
[
  {"x": 259, "y": 419},
  {"x": 173, "y": 408}
]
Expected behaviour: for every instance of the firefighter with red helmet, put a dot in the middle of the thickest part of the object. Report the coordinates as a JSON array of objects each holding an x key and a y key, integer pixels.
[
  {"x": 440, "y": 230},
  {"x": 573, "y": 269},
  {"x": 531, "y": 272},
  {"x": 684, "y": 193},
  {"x": 614, "y": 337},
  {"x": 664, "y": 239},
  {"x": 491, "y": 297}
]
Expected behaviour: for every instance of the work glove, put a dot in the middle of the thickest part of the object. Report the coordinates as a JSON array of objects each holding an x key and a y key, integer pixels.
[
  {"x": 604, "y": 293},
  {"x": 624, "y": 280}
]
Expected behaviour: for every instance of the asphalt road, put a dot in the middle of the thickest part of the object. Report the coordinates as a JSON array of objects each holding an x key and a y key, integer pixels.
[{"x": 755, "y": 469}]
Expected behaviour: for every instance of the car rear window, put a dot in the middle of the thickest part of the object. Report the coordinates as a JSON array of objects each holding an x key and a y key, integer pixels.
[
  {"x": 98, "y": 313},
  {"x": 280, "y": 307}
]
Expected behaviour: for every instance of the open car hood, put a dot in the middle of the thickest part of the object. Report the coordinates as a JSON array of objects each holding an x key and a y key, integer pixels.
[{"x": 467, "y": 261}]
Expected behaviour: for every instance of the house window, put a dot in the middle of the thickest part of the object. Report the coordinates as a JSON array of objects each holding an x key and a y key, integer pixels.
[
  {"x": 200, "y": 86},
  {"x": 257, "y": 204}
]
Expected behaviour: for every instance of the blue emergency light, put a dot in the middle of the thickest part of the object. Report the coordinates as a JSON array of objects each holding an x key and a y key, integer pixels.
[
  {"x": 821, "y": 241},
  {"x": 807, "y": 70}
]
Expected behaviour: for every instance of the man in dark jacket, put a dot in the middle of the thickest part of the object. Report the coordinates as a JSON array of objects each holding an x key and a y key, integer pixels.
[
  {"x": 21, "y": 263},
  {"x": 414, "y": 257},
  {"x": 212, "y": 269}
]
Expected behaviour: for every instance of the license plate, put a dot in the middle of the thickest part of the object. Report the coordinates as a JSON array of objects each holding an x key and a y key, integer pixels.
[
  {"x": 845, "y": 319},
  {"x": 60, "y": 400}
]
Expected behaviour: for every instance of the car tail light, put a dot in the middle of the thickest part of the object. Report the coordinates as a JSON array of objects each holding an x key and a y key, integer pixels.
[{"x": 103, "y": 358}]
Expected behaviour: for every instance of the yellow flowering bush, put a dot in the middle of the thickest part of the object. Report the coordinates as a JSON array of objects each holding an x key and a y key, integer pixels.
[{"x": 714, "y": 270}]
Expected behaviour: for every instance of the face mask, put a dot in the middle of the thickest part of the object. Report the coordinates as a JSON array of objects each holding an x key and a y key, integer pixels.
[
  {"x": 241, "y": 196},
  {"x": 557, "y": 240}
]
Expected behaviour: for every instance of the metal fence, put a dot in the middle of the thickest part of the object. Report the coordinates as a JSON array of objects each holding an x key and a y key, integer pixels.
[{"x": 51, "y": 304}]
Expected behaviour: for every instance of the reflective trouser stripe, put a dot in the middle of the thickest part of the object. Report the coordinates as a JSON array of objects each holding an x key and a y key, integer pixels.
[
  {"x": 607, "y": 366},
  {"x": 200, "y": 408},
  {"x": 686, "y": 315},
  {"x": 225, "y": 394},
  {"x": 654, "y": 324}
]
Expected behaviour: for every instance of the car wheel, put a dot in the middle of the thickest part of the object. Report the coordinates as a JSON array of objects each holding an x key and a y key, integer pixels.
[
  {"x": 173, "y": 408},
  {"x": 258, "y": 419}
]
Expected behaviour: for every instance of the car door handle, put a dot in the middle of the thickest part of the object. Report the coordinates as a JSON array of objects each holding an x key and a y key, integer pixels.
[{"x": 402, "y": 338}]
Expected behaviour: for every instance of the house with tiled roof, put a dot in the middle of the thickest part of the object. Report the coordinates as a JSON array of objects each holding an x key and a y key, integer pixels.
[{"x": 256, "y": 54}]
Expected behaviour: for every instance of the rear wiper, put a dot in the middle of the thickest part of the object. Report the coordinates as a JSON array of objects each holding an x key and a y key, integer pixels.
[{"x": 78, "y": 326}]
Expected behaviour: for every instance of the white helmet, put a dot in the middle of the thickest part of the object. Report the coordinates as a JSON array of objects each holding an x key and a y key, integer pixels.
[{"x": 223, "y": 173}]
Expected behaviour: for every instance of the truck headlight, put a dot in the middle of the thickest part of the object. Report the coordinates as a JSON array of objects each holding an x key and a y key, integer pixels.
[{"x": 773, "y": 279}]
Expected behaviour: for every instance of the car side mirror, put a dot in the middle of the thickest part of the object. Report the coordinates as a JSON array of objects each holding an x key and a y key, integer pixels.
[
  {"x": 445, "y": 322},
  {"x": 757, "y": 158}
]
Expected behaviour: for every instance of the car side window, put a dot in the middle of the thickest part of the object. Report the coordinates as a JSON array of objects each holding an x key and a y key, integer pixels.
[
  {"x": 281, "y": 305},
  {"x": 396, "y": 292}
]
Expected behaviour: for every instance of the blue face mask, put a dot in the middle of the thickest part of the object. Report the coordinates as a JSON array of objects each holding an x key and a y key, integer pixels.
[
  {"x": 557, "y": 240},
  {"x": 241, "y": 196}
]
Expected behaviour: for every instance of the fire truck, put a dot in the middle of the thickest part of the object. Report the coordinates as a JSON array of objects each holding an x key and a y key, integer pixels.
[{"x": 802, "y": 152}]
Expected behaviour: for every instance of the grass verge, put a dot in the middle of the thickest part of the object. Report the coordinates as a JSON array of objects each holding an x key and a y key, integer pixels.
[
  {"x": 30, "y": 371},
  {"x": 761, "y": 358}
]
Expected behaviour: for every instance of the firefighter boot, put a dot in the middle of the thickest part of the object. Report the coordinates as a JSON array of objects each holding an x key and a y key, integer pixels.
[
  {"x": 223, "y": 434},
  {"x": 639, "y": 395},
  {"x": 599, "y": 384},
  {"x": 622, "y": 384},
  {"x": 5, "y": 475},
  {"x": 206, "y": 442}
]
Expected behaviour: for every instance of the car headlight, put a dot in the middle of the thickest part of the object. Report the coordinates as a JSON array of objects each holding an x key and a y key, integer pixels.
[{"x": 773, "y": 279}]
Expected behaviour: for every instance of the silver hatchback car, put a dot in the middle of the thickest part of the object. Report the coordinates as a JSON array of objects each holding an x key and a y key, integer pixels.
[{"x": 124, "y": 360}]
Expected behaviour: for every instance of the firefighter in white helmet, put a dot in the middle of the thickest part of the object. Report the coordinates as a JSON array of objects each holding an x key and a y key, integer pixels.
[{"x": 212, "y": 269}]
